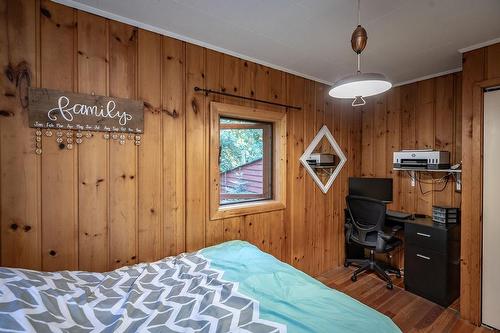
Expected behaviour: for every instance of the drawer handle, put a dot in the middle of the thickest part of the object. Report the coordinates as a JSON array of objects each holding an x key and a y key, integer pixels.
[
  {"x": 424, "y": 235},
  {"x": 423, "y": 257}
]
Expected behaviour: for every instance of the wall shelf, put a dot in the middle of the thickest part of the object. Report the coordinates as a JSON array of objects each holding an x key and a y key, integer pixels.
[
  {"x": 328, "y": 169},
  {"x": 456, "y": 173}
]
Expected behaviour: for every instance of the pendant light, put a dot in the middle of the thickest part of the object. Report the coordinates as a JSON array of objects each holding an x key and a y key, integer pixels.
[{"x": 360, "y": 84}]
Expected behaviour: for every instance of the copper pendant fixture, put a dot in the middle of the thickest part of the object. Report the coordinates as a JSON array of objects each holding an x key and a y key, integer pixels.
[{"x": 360, "y": 84}]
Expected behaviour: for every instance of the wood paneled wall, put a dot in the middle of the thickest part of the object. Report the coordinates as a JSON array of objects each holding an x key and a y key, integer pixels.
[
  {"x": 424, "y": 114},
  {"x": 481, "y": 68},
  {"x": 103, "y": 205}
]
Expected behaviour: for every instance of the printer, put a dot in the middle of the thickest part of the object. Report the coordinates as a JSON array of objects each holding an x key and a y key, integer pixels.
[
  {"x": 421, "y": 159},
  {"x": 322, "y": 159}
]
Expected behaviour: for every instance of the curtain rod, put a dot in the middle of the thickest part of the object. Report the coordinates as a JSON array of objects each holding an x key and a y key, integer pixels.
[{"x": 209, "y": 91}]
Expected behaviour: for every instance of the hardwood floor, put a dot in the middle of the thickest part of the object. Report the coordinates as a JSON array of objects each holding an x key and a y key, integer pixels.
[{"x": 410, "y": 312}]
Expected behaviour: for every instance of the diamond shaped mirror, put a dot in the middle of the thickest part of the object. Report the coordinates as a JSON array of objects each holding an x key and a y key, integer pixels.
[{"x": 323, "y": 159}]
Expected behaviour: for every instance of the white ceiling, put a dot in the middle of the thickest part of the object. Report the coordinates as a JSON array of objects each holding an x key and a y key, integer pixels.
[{"x": 407, "y": 39}]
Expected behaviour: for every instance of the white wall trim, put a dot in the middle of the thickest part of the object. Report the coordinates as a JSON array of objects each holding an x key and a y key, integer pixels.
[
  {"x": 479, "y": 45},
  {"x": 145, "y": 26},
  {"x": 430, "y": 76}
]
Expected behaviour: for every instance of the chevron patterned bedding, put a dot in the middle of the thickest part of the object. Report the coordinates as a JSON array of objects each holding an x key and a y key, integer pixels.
[{"x": 231, "y": 287}]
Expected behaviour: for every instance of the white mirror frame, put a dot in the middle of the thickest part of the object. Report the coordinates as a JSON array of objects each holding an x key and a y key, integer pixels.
[{"x": 324, "y": 131}]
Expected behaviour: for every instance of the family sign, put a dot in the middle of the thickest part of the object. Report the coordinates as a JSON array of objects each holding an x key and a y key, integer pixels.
[{"x": 71, "y": 111}]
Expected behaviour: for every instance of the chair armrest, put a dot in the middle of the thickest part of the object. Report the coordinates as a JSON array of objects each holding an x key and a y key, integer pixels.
[
  {"x": 395, "y": 229},
  {"x": 382, "y": 239},
  {"x": 348, "y": 231}
]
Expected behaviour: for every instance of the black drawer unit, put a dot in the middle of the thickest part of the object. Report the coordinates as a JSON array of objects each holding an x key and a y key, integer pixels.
[{"x": 432, "y": 260}]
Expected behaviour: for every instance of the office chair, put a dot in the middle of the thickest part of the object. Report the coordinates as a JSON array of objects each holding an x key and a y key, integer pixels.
[{"x": 365, "y": 228}]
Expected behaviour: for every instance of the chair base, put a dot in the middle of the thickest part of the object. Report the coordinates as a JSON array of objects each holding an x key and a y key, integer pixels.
[{"x": 371, "y": 265}]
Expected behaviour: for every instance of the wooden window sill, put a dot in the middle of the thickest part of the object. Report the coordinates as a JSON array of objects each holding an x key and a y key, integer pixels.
[{"x": 247, "y": 208}]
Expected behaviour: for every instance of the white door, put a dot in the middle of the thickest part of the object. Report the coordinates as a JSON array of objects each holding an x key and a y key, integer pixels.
[{"x": 491, "y": 215}]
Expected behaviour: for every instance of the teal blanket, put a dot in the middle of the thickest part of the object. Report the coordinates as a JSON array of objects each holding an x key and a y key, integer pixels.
[
  {"x": 231, "y": 287},
  {"x": 290, "y": 297}
]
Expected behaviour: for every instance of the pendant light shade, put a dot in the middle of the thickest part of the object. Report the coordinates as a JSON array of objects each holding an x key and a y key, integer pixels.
[{"x": 359, "y": 85}]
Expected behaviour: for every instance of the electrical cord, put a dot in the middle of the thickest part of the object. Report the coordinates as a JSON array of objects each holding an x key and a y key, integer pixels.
[
  {"x": 433, "y": 190},
  {"x": 445, "y": 179},
  {"x": 437, "y": 180}
]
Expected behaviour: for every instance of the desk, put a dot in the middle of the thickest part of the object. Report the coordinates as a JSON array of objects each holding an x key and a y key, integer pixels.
[
  {"x": 431, "y": 258},
  {"x": 390, "y": 221}
]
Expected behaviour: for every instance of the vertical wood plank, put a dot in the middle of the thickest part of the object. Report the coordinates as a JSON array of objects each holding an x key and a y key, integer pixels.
[
  {"x": 122, "y": 157},
  {"x": 231, "y": 79},
  {"x": 150, "y": 227},
  {"x": 334, "y": 223},
  {"x": 276, "y": 234},
  {"x": 492, "y": 68},
  {"x": 173, "y": 150},
  {"x": 394, "y": 143},
  {"x": 196, "y": 163},
  {"x": 470, "y": 268},
  {"x": 457, "y": 134},
  {"x": 318, "y": 235},
  {"x": 342, "y": 127},
  {"x": 380, "y": 136},
  {"x": 408, "y": 141},
  {"x": 355, "y": 148},
  {"x": 310, "y": 186},
  {"x": 247, "y": 82},
  {"x": 214, "y": 80},
  {"x": 20, "y": 210},
  {"x": 93, "y": 153},
  {"x": 256, "y": 229},
  {"x": 295, "y": 213},
  {"x": 424, "y": 129},
  {"x": 59, "y": 197},
  {"x": 234, "y": 228},
  {"x": 270, "y": 86},
  {"x": 367, "y": 116},
  {"x": 444, "y": 133}
]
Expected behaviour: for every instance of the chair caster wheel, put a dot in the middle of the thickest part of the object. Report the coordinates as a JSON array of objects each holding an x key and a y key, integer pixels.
[
  {"x": 346, "y": 264},
  {"x": 354, "y": 278},
  {"x": 389, "y": 286}
]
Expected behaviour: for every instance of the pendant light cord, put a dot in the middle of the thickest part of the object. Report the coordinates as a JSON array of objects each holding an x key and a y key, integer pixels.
[
  {"x": 359, "y": 23},
  {"x": 359, "y": 12}
]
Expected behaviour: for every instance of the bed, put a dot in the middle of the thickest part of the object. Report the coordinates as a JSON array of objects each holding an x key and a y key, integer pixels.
[{"x": 229, "y": 287}]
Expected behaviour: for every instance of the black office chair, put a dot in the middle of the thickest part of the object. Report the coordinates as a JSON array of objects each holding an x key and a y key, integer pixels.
[{"x": 365, "y": 227}]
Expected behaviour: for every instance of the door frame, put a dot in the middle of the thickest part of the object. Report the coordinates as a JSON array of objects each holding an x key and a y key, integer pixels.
[{"x": 472, "y": 214}]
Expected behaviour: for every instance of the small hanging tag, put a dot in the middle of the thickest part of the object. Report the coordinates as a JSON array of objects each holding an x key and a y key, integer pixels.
[{"x": 38, "y": 142}]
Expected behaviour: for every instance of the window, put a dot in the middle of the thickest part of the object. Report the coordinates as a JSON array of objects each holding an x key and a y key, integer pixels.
[{"x": 247, "y": 160}]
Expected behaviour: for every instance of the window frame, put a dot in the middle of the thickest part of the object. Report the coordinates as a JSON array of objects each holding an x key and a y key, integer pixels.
[{"x": 278, "y": 165}]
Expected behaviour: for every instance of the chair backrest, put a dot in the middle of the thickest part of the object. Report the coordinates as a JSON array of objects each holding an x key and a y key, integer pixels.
[{"x": 367, "y": 219}]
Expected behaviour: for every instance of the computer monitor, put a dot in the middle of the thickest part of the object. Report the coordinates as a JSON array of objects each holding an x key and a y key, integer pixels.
[{"x": 377, "y": 188}]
